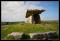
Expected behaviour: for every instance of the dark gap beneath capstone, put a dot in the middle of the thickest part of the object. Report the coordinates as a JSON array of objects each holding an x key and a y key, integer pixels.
[{"x": 36, "y": 19}]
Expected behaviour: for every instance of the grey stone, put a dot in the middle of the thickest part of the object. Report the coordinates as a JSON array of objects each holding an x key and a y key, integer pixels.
[{"x": 16, "y": 35}]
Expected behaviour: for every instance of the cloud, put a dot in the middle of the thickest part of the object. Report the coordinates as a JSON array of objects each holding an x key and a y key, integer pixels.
[
  {"x": 11, "y": 10},
  {"x": 33, "y": 5}
]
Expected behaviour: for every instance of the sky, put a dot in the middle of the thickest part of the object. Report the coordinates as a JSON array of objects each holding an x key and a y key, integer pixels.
[{"x": 12, "y": 11}]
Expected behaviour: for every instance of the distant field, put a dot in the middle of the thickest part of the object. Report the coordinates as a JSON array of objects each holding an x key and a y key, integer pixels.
[{"x": 26, "y": 27}]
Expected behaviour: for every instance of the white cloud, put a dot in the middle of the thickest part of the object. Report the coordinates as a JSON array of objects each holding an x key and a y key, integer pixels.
[{"x": 33, "y": 5}]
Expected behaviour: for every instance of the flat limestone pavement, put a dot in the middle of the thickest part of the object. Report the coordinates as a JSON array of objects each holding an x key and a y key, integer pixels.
[{"x": 34, "y": 36}]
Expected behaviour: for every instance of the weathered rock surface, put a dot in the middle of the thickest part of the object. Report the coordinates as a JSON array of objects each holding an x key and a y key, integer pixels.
[
  {"x": 34, "y": 36},
  {"x": 16, "y": 35}
]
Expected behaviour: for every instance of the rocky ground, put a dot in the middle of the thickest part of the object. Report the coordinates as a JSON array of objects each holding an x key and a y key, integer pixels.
[{"x": 33, "y": 36}]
